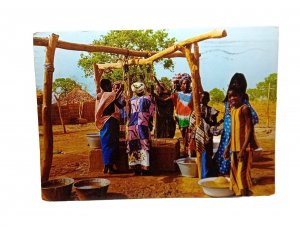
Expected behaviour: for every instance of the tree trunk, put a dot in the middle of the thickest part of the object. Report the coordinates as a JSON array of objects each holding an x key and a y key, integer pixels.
[
  {"x": 47, "y": 156},
  {"x": 98, "y": 74},
  {"x": 193, "y": 62},
  {"x": 59, "y": 112}
]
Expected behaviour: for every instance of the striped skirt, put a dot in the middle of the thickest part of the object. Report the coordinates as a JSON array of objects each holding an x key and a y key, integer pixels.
[{"x": 240, "y": 176}]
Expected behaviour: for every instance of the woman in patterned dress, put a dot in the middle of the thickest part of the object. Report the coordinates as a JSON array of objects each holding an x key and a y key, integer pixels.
[{"x": 139, "y": 128}]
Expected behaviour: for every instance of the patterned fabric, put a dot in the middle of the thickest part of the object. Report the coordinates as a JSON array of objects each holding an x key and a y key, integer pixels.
[
  {"x": 176, "y": 78},
  {"x": 254, "y": 115},
  {"x": 138, "y": 145},
  {"x": 204, "y": 140},
  {"x": 183, "y": 103},
  {"x": 223, "y": 166}
]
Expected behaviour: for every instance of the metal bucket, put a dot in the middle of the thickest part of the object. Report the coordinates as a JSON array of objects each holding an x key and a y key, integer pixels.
[
  {"x": 93, "y": 140},
  {"x": 89, "y": 189},
  {"x": 188, "y": 167},
  {"x": 57, "y": 189}
]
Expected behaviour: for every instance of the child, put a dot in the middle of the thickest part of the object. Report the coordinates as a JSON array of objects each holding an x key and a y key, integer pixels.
[
  {"x": 237, "y": 81},
  {"x": 209, "y": 119},
  {"x": 139, "y": 128},
  {"x": 241, "y": 133}
]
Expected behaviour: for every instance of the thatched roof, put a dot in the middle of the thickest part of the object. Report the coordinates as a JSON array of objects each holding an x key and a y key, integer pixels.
[{"x": 77, "y": 96}]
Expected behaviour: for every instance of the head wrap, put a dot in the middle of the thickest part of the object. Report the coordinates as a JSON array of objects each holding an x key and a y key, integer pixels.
[
  {"x": 185, "y": 76},
  {"x": 138, "y": 87},
  {"x": 176, "y": 78}
]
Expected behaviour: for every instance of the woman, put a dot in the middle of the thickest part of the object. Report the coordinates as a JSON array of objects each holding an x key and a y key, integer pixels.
[
  {"x": 107, "y": 117},
  {"x": 139, "y": 128},
  {"x": 165, "y": 122}
]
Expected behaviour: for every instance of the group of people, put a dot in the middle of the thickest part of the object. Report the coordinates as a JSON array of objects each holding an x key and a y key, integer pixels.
[{"x": 234, "y": 154}]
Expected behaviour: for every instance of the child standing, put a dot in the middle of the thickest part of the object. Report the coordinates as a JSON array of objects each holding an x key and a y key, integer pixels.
[
  {"x": 208, "y": 119},
  {"x": 238, "y": 81},
  {"x": 241, "y": 134}
]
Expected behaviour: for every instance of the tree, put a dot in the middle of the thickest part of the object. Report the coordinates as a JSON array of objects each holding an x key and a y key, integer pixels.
[
  {"x": 253, "y": 94},
  {"x": 262, "y": 89},
  {"x": 62, "y": 86},
  {"x": 141, "y": 40},
  {"x": 167, "y": 82},
  {"x": 216, "y": 95}
]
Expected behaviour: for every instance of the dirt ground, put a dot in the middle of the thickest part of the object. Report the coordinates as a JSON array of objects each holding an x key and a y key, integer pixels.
[{"x": 71, "y": 159}]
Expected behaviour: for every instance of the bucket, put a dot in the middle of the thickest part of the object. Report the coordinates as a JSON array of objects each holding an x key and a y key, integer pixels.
[
  {"x": 57, "y": 189},
  {"x": 89, "y": 189},
  {"x": 93, "y": 140},
  {"x": 188, "y": 167}
]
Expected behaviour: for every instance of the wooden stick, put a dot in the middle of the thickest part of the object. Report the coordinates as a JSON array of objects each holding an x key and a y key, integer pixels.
[
  {"x": 98, "y": 74},
  {"x": 59, "y": 112},
  {"x": 38, "y": 41},
  {"x": 46, "y": 159},
  {"x": 172, "y": 49}
]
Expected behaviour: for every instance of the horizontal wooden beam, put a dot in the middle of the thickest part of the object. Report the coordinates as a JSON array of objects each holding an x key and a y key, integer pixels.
[
  {"x": 167, "y": 52},
  {"x": 38, "y": 41},
  {"x": 210, "y": 35}
]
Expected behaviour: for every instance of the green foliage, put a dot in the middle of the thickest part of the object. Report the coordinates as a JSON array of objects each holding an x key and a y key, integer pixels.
[
  {"x": 140, "y": 40},
  {"x": 262, "y": 89},
  {"x": 167, "y": 82},
  {"x": 62, "y": 86},
  {"x": 216, "y": 95}
]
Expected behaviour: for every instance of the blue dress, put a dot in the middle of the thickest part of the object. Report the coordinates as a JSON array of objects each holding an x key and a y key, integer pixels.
[{"x": 223, "y": 166}]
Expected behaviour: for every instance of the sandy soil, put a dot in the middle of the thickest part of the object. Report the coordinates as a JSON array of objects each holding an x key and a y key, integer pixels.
[{"x": 71, "y": 160}]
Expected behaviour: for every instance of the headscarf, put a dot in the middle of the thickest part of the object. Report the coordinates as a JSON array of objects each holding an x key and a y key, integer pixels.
[
  {"x": 185, "y": 76},
  {"x": 138, "y": 87},
  {"x": 176, "y": 78}
]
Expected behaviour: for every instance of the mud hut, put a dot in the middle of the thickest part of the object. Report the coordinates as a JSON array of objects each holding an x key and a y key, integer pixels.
[{"x": 77, "y": 96}]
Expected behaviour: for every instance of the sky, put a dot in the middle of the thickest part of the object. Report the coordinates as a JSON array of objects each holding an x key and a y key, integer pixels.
[{"x": 249, "y": 50}]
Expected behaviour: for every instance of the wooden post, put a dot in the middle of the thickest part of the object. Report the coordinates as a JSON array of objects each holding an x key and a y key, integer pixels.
[
  {"x": 98, "y": 74},
  {"x": 197, "y": 90},
  {"x": 268, "y": 115},
  {"x": 59, "y": 112},
  {"x": 46, "y": 159},
  {"x": 193, "y": 62}
]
